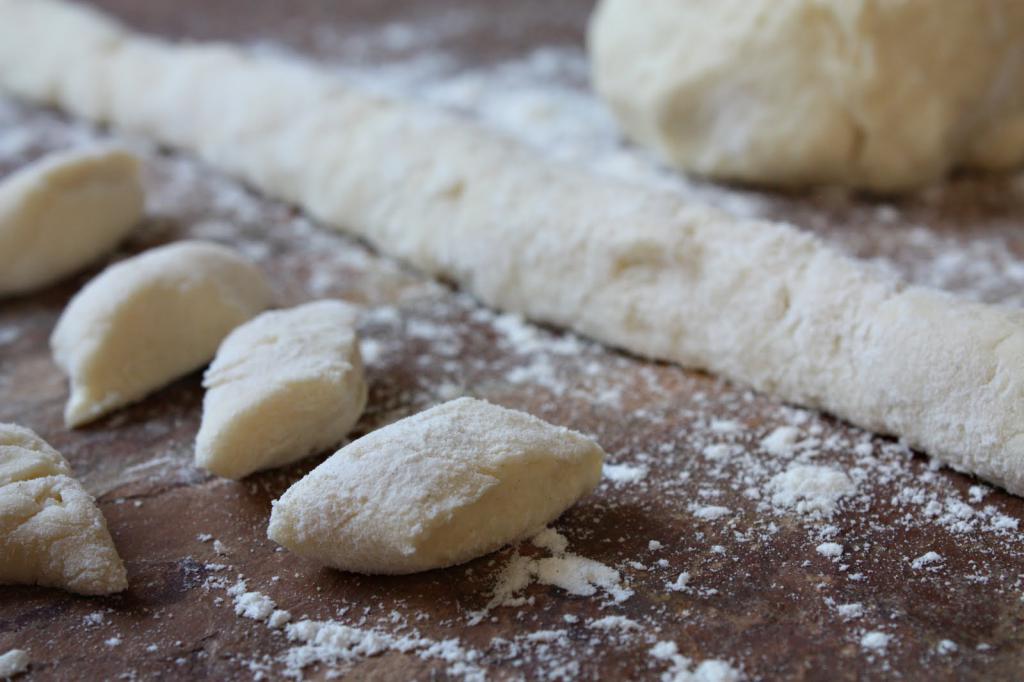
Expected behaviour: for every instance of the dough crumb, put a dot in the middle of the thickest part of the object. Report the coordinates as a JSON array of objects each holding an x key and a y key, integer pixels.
[
  {"x": 812, "y": 490},
  {"x": 832, "y": 550},
  {"x": 875, "y": 640},
  {"x": 780, "y": 442}
]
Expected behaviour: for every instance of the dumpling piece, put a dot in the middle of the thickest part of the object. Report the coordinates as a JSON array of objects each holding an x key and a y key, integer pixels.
[
  {"x": 436, "y": 489},
  {"x": 51, "y": 531},
  {"x": 14, "y": 662},
  {"x": 148, "y": 320},
  {"x": 284, "y": 385},
  {"x": 63, "y": 212}
]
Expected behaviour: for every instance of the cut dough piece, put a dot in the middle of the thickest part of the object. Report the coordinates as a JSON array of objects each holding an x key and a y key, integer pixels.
[
  {"x": 148, "y": 320},
  {"x": 51, "y": 531},
  {"x": 757, "y": 302},
  {"x": 880, "y": 95},
  {"x": 436, "y": 489},
  {"x": 12, "y": 663},
  {"x": 284, "y": 385},
  {"x": 63, "y": 212}
]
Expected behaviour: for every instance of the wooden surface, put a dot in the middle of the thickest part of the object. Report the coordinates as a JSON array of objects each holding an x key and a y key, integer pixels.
[{"x": 760, "y": 595}]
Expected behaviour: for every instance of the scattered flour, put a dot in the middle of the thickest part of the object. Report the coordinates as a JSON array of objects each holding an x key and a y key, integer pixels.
[
  {"x": 278, "y": 618},
  {"x": 682, "y": 669},
  {"x": 93, "y": 619},
  {"x": 832, "y": 550},
  {"x": 681, "y": 584},
  {"x": 875, "y": 640},
  {"x": 254, "y": 605},
  {"x": 780, "y": 442},
  {"x": 333, "y": 643},
  {"x": 709, "y": 512},
  {"x": 624, "y": 473},
  {"x": 850, "y": 611},
  {"x": 573, "y": 573},
  {"x": 810, "y": 489},
  {"x": 615, "y": 623},
  {"x": 926, "y": 559}
]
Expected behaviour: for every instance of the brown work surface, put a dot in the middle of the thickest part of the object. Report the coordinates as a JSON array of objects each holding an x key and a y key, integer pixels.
[{"x": 762, "y": 590}]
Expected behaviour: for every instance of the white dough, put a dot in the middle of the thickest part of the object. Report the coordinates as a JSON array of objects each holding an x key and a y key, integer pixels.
[
  {"x": 436, "y": 489},
  {"x": 757, "y": 302},
  {"x": 871, "y": 94},
  {"x": 12, "y": 663},
  {"x": 24, "y": 456},
  {"x": 63, "y": 212},
  {"x": 150, "y": 319},
  {"x": 51, "y": 532},
  {"x": 284, "y": 385}
]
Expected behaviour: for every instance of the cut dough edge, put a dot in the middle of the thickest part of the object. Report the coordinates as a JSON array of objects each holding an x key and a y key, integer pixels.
[
  {"x": 545, "y": 240},
  {"x": 284, "y": 385}
]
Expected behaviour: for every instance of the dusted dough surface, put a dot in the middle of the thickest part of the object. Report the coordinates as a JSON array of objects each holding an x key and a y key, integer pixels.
[
  {"x": 51, "y": 532},
  {"x": 871, "y": 94},
  {"x": 284, "y": 385},
  {"x": 150, "y": 319},
  {"x": 63, "y": 212},
  {"x": 436, "y": 489},
  {"x": 24, "y": 456}
]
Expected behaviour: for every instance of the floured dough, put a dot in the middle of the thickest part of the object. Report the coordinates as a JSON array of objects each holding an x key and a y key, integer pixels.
[
  {"x": 436, "y": 489},
  {"x": 867, "y": 93},
  {"x": 64, "y": 211},
  {"x": 51, "y": 532},
  {"x": 12, "y": 663},
  {"x": 284, "y": 385},
  {"x": 150, "y": 319},
  {"x": 758, "y": 302},
  {"x": 24, "y": 456}
]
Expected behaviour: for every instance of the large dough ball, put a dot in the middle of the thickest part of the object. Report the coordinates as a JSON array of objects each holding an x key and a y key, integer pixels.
[{"x": 885, "y": 95}]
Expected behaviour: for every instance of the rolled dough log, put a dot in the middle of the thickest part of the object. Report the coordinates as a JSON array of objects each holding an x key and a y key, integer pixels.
[
  {"x": 436, "y": 489},
  {"x": 51, "y": 531},
  {"x": 284, "y": 385},
  {"x": 64, "y": 211},
  {"x": 760, "y": 303},
  {"x": 150, "y": 319}
]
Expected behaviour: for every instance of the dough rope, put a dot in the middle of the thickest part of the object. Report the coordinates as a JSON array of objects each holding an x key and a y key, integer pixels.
[{"x": 757, "y": 302}]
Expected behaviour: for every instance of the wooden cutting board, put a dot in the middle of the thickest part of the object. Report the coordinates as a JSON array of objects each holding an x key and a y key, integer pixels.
[{"x": 763, "y": 589}]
